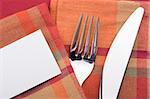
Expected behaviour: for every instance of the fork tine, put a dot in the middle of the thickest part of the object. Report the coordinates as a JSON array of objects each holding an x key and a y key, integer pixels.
[
  {"x": 94, "y": 42},
  {"x": 81, "y": 43},
  {"x": 87, "y": 44},
  {"x": 74, "y": 42}
]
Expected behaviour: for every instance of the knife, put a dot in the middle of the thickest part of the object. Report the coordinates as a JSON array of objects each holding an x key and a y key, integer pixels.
[{"x": 118, "y": 56}]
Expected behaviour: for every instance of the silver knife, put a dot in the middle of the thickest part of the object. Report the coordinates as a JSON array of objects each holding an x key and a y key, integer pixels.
[{"x": 118, "y": 56}]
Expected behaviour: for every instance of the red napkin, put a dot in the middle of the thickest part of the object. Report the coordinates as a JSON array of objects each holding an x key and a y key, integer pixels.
[{"x": 8, "y": 7}]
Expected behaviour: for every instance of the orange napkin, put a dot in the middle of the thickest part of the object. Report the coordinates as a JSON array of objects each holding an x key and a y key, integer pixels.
[
  {"x": 112, "y": 14},
  {"x": 16, "y": 26}
]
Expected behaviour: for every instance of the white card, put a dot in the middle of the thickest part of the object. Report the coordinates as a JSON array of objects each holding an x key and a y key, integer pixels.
[{"x": 25, "y": 64}]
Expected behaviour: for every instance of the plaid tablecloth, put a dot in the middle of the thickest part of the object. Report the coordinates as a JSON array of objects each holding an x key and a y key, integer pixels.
[
  {"x": 112, "y": 14},
  {"x": 14, "y": 27}
]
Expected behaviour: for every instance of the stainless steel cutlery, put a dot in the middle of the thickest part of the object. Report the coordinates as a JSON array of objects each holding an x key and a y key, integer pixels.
[
  {"x": 82, "y": 57},
  {"x": 118, "y": 56},
  {"x": 83, "y": 54}
]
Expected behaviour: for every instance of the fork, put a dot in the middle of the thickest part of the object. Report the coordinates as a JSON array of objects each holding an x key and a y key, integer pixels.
[{"x": 82, "y": 57}]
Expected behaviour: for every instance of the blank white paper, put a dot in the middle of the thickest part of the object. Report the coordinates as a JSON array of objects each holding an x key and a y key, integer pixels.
[{"x": 25, "y": 64}]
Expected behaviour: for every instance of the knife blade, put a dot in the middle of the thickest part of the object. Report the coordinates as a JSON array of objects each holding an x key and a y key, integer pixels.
[{"x": 118, "y": 56}]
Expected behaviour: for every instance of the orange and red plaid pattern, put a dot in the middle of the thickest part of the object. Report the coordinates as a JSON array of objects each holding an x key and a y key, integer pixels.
[
  {"x": 14, "y": 27},
  {"x": 112, "y": 14}
]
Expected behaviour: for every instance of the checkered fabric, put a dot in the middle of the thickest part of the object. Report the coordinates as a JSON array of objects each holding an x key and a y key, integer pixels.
[
  {"x": 14, "y": 27},
  {"x": 112, "y": 14}
]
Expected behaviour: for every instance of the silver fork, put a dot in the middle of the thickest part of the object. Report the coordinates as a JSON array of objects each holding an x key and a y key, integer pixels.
[{"x": 82, "y": 57}]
